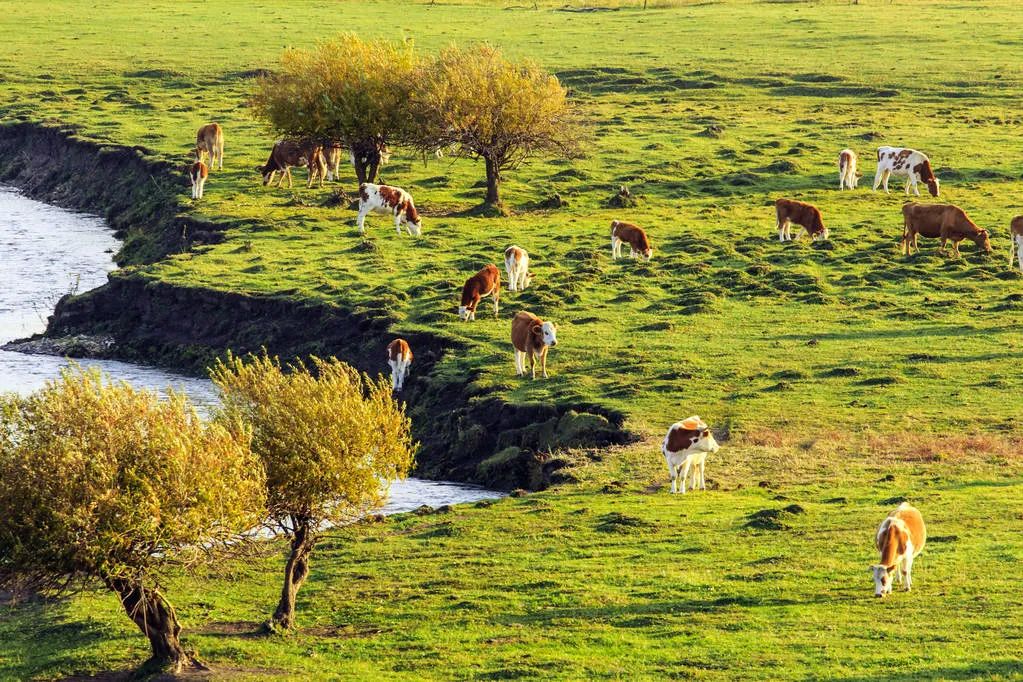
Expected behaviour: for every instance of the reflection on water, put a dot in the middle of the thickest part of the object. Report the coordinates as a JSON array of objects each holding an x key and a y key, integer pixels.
[{"x": 46, "y": 252}]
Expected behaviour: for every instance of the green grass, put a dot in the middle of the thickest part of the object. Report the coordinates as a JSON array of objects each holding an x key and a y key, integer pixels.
[{"x": 903, "y": 365}]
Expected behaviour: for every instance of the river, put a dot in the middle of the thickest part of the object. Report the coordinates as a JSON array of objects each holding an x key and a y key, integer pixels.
[{"x": 46, "y": 252}]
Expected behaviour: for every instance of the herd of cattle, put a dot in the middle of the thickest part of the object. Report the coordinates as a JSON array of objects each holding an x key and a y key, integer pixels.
[{"x": 901, "y": 535}]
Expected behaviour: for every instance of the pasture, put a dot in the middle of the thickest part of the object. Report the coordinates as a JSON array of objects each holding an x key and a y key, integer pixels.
[{"x": 830, "y": 366}]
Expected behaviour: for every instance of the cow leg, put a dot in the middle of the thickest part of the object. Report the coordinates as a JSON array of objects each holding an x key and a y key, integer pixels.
[
  {"x": 497, "y": 300},
  {"x": 781, "y": 230},
  {"x": 799, "y": 235},
  {"x": 362, "y": 221},
  {"x": 202, "y": 186},
  {"x": 1019, "y": 250},
  {"x": 887, "y": 175},
  {"x": 513, "y": 277},
  {"x": 877, "y": 178},
  {"x": 397, "y": 224},
  {"x": 394, "y": 374},
  {"x": 907, "y": 571},
  {"x": 543, "y": 361},
  {"x": 614, "y": 248},
  {"x": 685, "y": 473},
  {"x": 703, "y": 479},
  {"x": 532, "y": 364}
]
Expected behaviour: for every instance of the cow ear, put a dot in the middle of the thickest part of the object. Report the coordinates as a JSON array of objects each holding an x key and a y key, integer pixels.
[{"x": 536, "y": 329}]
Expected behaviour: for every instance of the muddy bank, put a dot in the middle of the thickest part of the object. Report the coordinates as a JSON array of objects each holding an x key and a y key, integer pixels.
[{"x": 464, "y": 437}]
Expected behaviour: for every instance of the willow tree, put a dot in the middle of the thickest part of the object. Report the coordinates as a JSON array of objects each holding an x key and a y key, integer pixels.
[
  {"x": 490, "y": 108},
  {"x": 329, "y": 439},
  {"x": 347, "y": 90},
  {"x": 102, "y": 483}
]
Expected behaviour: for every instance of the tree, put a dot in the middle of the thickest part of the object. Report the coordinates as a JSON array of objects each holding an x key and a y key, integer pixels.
[
  {"x": 102, "y": 482},
  {"x": 346, "y": 90},
  {"x": 493, "y": 109},
  {"x": 328, "y": 439}
]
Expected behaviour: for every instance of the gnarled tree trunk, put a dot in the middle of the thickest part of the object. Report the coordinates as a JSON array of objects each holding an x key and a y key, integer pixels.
[
  {"x": 295, "y": 573},
  {"x": 155, "y": 616},
  {"x": 493, "y": 182}
]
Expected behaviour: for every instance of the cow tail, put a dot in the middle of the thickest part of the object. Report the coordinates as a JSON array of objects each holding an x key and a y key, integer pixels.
[{"x": 614, "y": 227}]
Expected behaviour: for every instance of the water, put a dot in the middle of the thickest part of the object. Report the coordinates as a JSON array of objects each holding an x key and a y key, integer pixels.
[{"x": 46, "y": 252}]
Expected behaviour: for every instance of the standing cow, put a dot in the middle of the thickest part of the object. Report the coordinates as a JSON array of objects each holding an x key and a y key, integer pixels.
[
  {"x": 915, "y": 166},
  {"x": 848, "y": 177},
  {"x": 210, "y": 141},
  {"x": 399, "y": 358},
  {"x": 940, "y": 221},
  {"x": 532, "y": 337},
  {"x": 197, "y": 174},
  {"x": 516, "y": 264},
  {"x": 486, "y": 282},
  {"x": 805, "y": 215},
  {"x": 900, "y": 538},
  {"x": 634, "y": 236},
  {"x": 685, "y": 448},
  {"x": 332, "y": 153},
  {"x": 389, "y": 200},
  {"x": 1016, "y": 240},
  {"x": 288, "y": 153}
]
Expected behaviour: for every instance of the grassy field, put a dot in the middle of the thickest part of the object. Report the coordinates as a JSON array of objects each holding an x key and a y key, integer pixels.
[{"x": 829, "y": 365}]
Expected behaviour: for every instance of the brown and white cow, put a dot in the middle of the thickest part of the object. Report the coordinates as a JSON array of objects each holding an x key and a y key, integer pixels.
[
  {"x": 940, "y": 221},
  {"x": 332, "y": 153},
  {"x": 848, "y": 177},
  {"x": 634, "y": 236},
  {"x": 1016, "y": 240},
  {"x": 914, "y": 165},
  {"x": 900, "y": 538},
  {"x": 486, "y": 282},
  {"x": 399, "y": 357},
  {"x": 390, "y": 200},
  {"x": 516, "y": 264},
  {"x": 197, "y": 174},
  {"x": 532, "y": 337},
  {"x": 288, "y": 153},
  {"x": 805, "y": 215},
  {"x": 685, "y": 447},
  {"x": 210, "y": 141}
]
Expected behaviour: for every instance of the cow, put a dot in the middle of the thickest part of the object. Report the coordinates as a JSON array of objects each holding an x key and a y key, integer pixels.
[
  {"x": 900, "y": 538},
  {"x": 210, "y": 141},
  {"x": 332, "y": 156},
  {"x": 516, "y": 264},
  {"x": 532, "y": 337},
  {"x": 486, "y": 282},
  {"x": 399, "y": 357},
  {"x": 805, "y": 215},
  {"x": 372, "y": 158},
  {"x": 908, "y": 162},
  {"x": 685, "y": 447},
  {"x": 197, "y": 174},
  {"x": 1016, "y": 240},
  {"x": 288, "y": 153},
  {"x": 940, "y": 221},
  {"x": 634, "y": 236},
  {"x": 848, "y": 177},
  {"x": 392, "y": 200}
]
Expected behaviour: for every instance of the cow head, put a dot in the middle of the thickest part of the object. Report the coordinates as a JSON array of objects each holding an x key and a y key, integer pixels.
[
  {"x": 546, "y": 333},
  {"x": 982, "y": 241},
  {"x": 466, "y": 312},
  {"x": 647, "y": 253},
  {"x": 413, "y": 219},
  {"x": 529, "y": 280},
  {"x": 705, "y": 442},
  {"x": 199, "y": 153},
  {"x": 933, "y": 186},
  {"x": 883, "y": 579}
]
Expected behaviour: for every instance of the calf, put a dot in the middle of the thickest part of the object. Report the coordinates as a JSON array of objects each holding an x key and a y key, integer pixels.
[
  {"x": 940, "y": 221},
  {"x": 399, "y": 357},
  {"x": 210, "y": 141},
  {"x": 392, "y": 200},
  {"x": 197, "y": 174},
  {"x": 532, "y": 337},
  {"x": 486, "y": 282},
  {"x": 1016, "y": 240},
  {"x": 332, "y": 156},
  {"x": 900, "y": 539},
  {"x": 516, "y": 264},
  {"x": 634, "y": 236},
  {"x": 805, "y": 215},
  {"x": 848, "y": 178},
  {"x": 288, "y": 153},
  {"x": 685, "y": 447},
  {"x": 908, "y": 162}
]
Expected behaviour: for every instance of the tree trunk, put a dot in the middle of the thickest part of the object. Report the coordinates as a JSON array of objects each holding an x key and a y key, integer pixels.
[
  {"x": 493, "y": 182},
  {"x": 295, "y": 573},
  {"x": 154, "y": 615},
  {"x": 367, "y": 160}
]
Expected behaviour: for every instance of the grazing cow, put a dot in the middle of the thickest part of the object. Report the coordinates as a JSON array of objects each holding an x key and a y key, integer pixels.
[
  {"x": 1016, "y": 240},
  {"x": 210, "y": 141},
  {"x": 848, "y": 177},
  {"x": 532, "y": 337},
  {"x": 685, "y": 447},
  {"x": 288, "y": 153},
  {"x": 486, "y": 282},
  {"x": 392, "y": 200},
  {"x": 332, "y": 157},
  {"x": 900, "y": 539},
  {"x": 197, "y": 174},
  {"x": 634, "y": 236},
  {"x": 399, "y": 357},
  {"x": 516, "y": 264},
  {"x": 908, "y": 162},
  {"x": 805, "y": 215},
  {"x": 940, "y": 221}
]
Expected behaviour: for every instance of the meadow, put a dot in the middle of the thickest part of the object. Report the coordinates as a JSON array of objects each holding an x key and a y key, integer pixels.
[{"x": 845, "y": 375}]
